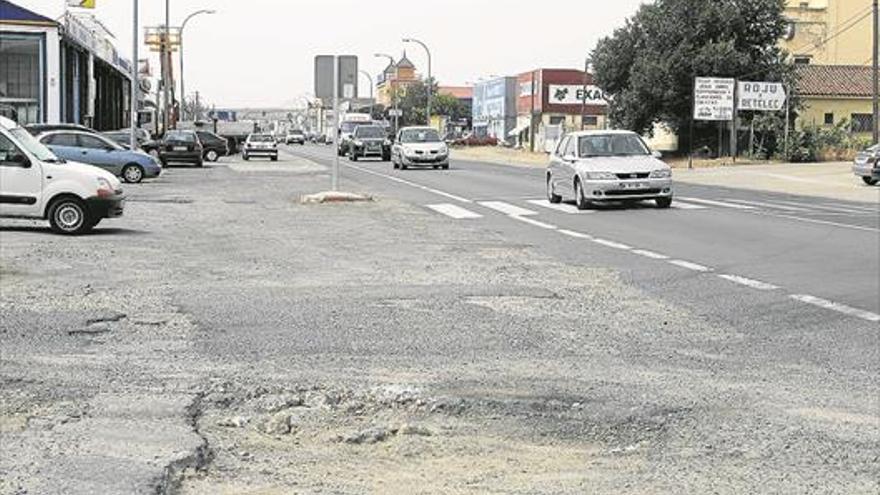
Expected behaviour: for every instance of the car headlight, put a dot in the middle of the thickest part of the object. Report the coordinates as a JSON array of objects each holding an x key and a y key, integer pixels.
[
  {"x": 358, "y": 143},
  {"x": 409, "y": 152},
  {"x": 661, "y": 174},
  {"x": 600, "y": 176},
  {"x": 444, "y": 149},
  {"x": 387, "y": 142},
  {"x": 105, "y": 188}
]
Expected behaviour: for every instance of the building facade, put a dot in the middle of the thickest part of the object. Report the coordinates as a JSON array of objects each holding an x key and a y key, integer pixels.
[
  {"x": 835, "y": 94},
  {"x": 494, "y": 108},
  {"x": 61, "y": 71},
  {"x": 394, "y": 80},
  {"x": 829, "y": 32}
]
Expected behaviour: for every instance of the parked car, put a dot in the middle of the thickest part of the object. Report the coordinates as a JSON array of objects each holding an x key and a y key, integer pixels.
[
  {"x": 369, "y": 141},
  {"x": 867, "y": 165},
  {"x": 37, "y": 129},
  {"x": 181, "y": 147},
  {"x": 597, "y": 166},
  {"x": 419, "y": 146},
  {"x": 145, "y": 143},
  {"x": 213, "y": 146},
  {"x": 295, "y": 137},
  {"x": 36, "y": 183},
  {"x": 85, "y": 147},
  {"x": 260, "y": 145}
]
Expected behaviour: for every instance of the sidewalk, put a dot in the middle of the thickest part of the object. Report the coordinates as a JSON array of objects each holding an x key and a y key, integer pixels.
[{"x": 831, "y": 180}]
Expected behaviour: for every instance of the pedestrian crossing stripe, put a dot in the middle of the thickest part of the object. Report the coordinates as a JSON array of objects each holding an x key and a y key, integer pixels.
[{"x": 454, "y": 211}]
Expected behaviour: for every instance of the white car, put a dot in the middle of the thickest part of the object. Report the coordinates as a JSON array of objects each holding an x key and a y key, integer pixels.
[
  {"x": 34, "y": 183},
  {"x": 260, "y": 145},
  {"x": 600, "y": 166},
  {"x": 419, "y": 147}
]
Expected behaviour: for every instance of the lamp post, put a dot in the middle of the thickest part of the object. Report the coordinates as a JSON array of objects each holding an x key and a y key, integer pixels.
[
  {"x": 134, "y": 77},
  {"x": 430, "y": 77},
  {"x": 369, "y": 78},
  {"x": 393, "y": 89},
  {"x": 182, "y": 86}
]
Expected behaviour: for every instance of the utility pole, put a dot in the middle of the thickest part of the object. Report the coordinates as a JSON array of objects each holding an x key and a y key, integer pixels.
[
  {"x": 370, "y": 79},
  {"x": 584, "y": 94},
  {"x": 876, "y": 73},
  {"x": 135, "y": 87},
  {"x": 532, "y": 133},
  {"x": 430, "y": 77},
  {"x": 166, "y": 67}
]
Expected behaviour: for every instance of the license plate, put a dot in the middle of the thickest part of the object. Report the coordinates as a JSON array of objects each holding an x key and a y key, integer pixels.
[
  {"x": 631, "y": 185},
  {"x": 180, "y": 148}
]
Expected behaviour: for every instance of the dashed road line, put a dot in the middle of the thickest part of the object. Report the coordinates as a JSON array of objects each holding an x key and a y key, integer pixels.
[
  {"x": 576, "y": 235},
  {"x": 454, "y": 211},
  {"x": 411, "y": 184},
  {"x": 818, "y": 206},
  {"x": 723, "y": 204},
  {"x": 826, "y": 222},
  {"x": 612, "y": 244},
  {"x": 748, "y": 282},
  {"x": 650, "y": 254},
  {"x": 690, "y": 266},
  {"x": 535, "y": 223},
  {"x": 507, "y": 208},
  {"x": 681, "y": 205},
  {"x": 563, "y": 207},
  {"x": 833, "y": 306},
  {"x": 767, "y": 205}
]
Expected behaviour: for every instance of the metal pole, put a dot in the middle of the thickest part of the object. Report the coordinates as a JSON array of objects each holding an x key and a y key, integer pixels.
[
  {"x": 134, "y": 77},
  {"x": 334, "y": 182},
  {"x": 584, "y": 94},
  {"x": 733, "y": 124},
  {"x": 876, "y": 73},
  {"x": 787, "y": 116},
  {"x": 691, "y": 137},
  {"x": 532, "y": 118},
  {"x": 430, "y": 77},
  {"x": 182, "y": 86},
  {"x": 370, "y": 79},
  {"x": 166, "y": 75}
]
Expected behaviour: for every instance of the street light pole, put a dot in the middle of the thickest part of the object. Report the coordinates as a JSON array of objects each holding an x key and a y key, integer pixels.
[
  {"x": 134, "y": 77},
  {"x": 182, "y": 86},
  {"x": 430, "y": 76},
  {"x": 393, "y": 89},
  {"x": 876, "y": 73},
  {"x": 369, "y": 78}
]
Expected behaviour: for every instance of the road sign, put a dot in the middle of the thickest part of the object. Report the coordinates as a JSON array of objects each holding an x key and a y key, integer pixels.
[
  {"x": 713, "y": 98},
  {"x": 348, "y": 76},
  {"x": 324, "y": 77},
  {"x": 760, "y": 96},
  {"x": 395, "y": 112}
]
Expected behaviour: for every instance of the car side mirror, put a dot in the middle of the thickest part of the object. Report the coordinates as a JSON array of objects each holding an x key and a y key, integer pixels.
[
  {"x": 19, "y": 160},
  {"x": 656, "y": 154}
]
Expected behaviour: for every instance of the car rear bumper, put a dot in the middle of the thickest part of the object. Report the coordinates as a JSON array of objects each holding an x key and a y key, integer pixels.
[
  {"x": 109, "y": 207},
  {"x": 866, "y": 169},
  {"x": 615, "y": 190},
  {"x": 181, "y": 156},
  {"x": 255, "y": 152}
]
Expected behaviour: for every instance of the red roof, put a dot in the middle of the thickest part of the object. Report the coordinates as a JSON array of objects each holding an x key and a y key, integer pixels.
[
  {"x": 852, "y": 81},
  {"x": 460, "y": 92}
]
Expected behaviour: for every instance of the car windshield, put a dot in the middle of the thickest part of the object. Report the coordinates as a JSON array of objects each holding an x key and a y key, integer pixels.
[
  {"x": 419, "y": 136},
  {"x": 36, "y": 148},
  {"x": 296, "y": 133},
  {"x": 261, "y": 138},
  {"x": 186, "y": 137},
  {"x": 370, "y": 132},
  {"x": 611, "y": 145}
]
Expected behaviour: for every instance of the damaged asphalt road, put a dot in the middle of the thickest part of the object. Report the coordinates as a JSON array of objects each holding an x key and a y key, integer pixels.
[{"x": 235, "y": 340}]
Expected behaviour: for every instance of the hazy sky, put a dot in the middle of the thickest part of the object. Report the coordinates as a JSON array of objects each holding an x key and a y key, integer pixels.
[{"x": 260, "y": 52}]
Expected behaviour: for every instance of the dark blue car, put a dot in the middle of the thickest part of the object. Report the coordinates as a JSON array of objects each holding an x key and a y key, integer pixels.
[{"x": 85, "y": 147}]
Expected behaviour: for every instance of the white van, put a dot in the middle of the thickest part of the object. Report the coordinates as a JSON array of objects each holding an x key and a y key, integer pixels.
[{"x": 34, "y": 183}]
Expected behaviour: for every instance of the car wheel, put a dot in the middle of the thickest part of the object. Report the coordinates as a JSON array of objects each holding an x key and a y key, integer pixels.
[
  {"x": 551, "y": 194},
  {"x": 245, "y": 157},
  {"x": 200, "y": 163},
  {"x": 274, "y": 158},
  {"x": 402, "y": 167},
  {"x": 212, "y": 156},
  {"x": 132, "y": 174},
  {"x": 352, "y": 156},
  {"x": 582, "y": 203},
  {"x": 445, "y": 167},
  {"x": 870, "y": 181},
  {"x": 70, "y": 216},
  {"x": 664, "y": 202}
]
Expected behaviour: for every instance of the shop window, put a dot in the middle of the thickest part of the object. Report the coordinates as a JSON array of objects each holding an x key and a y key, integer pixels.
[
  {"x": 829, "y": 119},
  {"x": 862, "y": 122},
  {"x": 591, "y": 120},
  {"x": 21, "y": 77},
  {"x": 557, "y": 120}
]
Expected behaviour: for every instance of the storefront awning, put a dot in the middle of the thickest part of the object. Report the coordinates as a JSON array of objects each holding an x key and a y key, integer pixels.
[{"x": 515, "y": 132}]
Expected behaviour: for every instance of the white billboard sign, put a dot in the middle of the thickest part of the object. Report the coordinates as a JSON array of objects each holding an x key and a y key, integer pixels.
[
  {"x": 574, "y": 94},
  {"x": 760, "y": 96},
  {"x": 713, "y": 98}
]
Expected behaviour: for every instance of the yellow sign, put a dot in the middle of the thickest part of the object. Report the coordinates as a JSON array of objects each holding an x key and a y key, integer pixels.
[{"x": 83, "y": 4}]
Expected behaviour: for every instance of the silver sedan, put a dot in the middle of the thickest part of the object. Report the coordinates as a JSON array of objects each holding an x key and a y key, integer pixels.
[{"x": 600, "y": 166}]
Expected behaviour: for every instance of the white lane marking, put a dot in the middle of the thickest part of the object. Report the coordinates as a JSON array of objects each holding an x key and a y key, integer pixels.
[
  {"x": 840, "y": 308},
  {"x": 681, "y": 205},
  {"x": 563, "y": 207},
  {"x": 819, "y": 206},
  {"x": 826, "y": 222},
  {"x": 612, "y": 244},
  {"x": 767, "y": 205},
  {"x": 650, "y": 254},
  {"x": 748, "y": 282},
  {"x": 454, "y": 211},
  {"x": 412, "y": 184},
  {"x": 690, "y": 266},
  {"x": 867, "y": 209},
  {"x": 507, "y": 208},
  {"x": 718, "y": 203},
  {"x": 576, "y": 235},
  {"x": 534, "y": 222}
]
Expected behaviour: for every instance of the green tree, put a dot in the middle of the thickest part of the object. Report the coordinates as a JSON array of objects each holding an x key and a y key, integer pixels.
[
  {"x": 413, "y": 100},
  {"x": 648, "y": 65}
]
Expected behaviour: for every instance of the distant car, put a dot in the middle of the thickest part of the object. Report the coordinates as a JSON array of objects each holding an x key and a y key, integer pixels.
[
  {"x": 145, "y": 143},
  {"x": 260, "y": 145},
  {"x": 369, "y": 141},
  {"x": 419, "y": 147},
  {"x": 85, "y": 147},
  {"x": 213, "y": 146},
  {"x": 598, "y": 166},
  {"x": 295, "y": 137},
  {"x": 867, "y": 165},
  {"x": 181, "y": 147}
]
